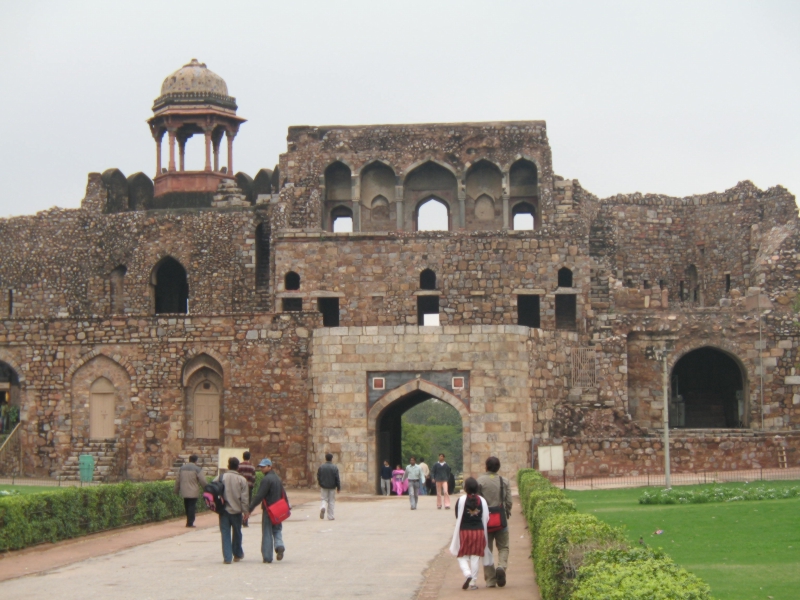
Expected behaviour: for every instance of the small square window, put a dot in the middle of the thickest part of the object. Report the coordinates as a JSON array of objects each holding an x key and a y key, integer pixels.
[
  {"x": 458, "y": 383},
  {"x": 292, "y": 304},
  {"x": 378, "y": 383}
]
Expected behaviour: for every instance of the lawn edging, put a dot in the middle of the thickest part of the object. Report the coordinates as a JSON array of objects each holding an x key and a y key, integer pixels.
[
  {"x": 27, "y": 520},
  {"x": 579, "y": 557}
]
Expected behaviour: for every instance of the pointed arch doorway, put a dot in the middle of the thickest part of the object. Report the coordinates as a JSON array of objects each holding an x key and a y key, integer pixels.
[{"x": 384, "y": 425}]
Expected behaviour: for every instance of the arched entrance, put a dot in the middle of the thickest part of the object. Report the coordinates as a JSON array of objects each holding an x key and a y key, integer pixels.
[
  {"x": 384, "y": 425},
  {"x": 708, "y": 391},
  {"x": 9, "y": 398}
]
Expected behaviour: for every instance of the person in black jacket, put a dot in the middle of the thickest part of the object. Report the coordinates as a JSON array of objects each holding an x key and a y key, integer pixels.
[
  {"x": 386, "y": 478},
  {"x": 270, "y": 491},
  {"x": 328, "y": 480},
  {"x": 440, "y": 472}
]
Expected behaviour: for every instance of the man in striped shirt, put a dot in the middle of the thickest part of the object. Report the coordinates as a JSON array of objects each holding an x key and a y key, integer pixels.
[{"x": 248, "y": 471}]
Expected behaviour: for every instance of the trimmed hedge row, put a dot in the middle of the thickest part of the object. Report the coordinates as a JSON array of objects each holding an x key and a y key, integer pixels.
[
  {"x": 579, "y": 557},
  {"x": 27, "y": 520}
]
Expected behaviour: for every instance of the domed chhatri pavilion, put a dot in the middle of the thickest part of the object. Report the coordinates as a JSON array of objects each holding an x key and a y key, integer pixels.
[
  {"x": 193, "y": 100},
  {"x": 304, "y": 310}
]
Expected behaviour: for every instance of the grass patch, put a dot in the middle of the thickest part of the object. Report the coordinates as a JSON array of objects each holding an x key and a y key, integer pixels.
[{"x": 743, "y": 550}]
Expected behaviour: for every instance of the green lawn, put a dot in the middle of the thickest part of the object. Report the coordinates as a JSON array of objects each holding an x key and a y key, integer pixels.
[
  {"x": 743, "y": 550},
  {"x": 29, "y": 489}
]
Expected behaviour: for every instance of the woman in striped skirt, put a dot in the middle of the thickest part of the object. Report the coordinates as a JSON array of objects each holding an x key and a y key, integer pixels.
[{"x": 469, "y": 538}]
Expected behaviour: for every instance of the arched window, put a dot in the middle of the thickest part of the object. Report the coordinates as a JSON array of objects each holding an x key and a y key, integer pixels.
[
  {"x": 380, "y": 207},
  {"x": 523, "y": 216},
  {"x": 203, "y": 381},
  {"x": 693, "y": 292},
  {"x": 427, "y": 280},
  {"x": 171, "y": 287},
  {"x": 337, "y": 182},
  {"x": 291, "y": 281},
  {"x": 484, "y": 208},
  {"x": 117, "y": 281},
  {"x": 102, "y": 403},
  {"x": 433, "y": 215},
  {"x": 564, "y": 277},
  {"x": 523, "y": 179},
  {"x": 341, "y": 220}
]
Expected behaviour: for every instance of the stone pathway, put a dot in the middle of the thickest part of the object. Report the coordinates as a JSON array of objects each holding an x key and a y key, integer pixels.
[{"x": 375, "y": 548}]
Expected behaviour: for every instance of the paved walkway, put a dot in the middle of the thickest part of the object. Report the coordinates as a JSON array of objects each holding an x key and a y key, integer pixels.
[{"x": 375, "y": 548}]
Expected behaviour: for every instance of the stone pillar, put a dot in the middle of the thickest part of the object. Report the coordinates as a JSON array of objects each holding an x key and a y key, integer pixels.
[
  {"x": 158, "y": 155},
  {"x": 462, "y": 209},
  {"x": 182, "y": 152},
  {"x": 356, "y": 216},
  {"x": 398, "y": 201},
  {"x": 216, "y": 157},
  {"x": 171, "y": 150},
  {"x": 230, "y": 135},
  {"x": 505, "y": 213},
  {"x": 208, "y": 151}
]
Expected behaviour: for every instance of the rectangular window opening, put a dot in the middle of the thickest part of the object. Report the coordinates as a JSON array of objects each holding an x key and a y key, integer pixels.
[
  {"x": 566, "y": 312},
  {"x": 292, "y": 304},
  {"x": 727, "y": 282},
  {"x": 329, "y": 307},
  {"x": 427, "y": 305},
  {"x": 584, "y": 368},
  {"x": 10, "y": 303},
  {"x": 528, "y": 310},
  {"x": 378, "y": 383}
]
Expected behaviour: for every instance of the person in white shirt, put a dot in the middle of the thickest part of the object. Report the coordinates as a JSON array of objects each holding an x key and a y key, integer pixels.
[
  {"x": 413, "y": 474},
  {"x": 426, "y": 475}
]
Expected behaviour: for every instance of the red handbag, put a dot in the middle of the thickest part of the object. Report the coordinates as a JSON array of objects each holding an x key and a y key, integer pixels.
[
  {"x": 279, "y": 510},
  {"x": 497, "y": 514}
]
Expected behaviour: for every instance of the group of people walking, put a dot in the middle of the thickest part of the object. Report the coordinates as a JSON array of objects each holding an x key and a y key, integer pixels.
[
  {"x": 238, "y": 502},
  {"x": 481, "y": 512}
]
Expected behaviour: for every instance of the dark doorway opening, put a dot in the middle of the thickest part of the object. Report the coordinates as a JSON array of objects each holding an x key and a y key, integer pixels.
[
  {"x": 329, "y": 307},
  {"x": 172, "y": 288},
  {"x": 426, "y": 305},
  {"x": 707, "y": 391},
  {"x": 422, "y": 426},
  {"x": 528, "y": 310},
  {"x": 566, "y": 314}
]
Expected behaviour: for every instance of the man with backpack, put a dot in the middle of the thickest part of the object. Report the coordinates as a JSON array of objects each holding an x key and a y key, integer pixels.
[
  {"x": 235, "y": 506},
  {"x": 269, "y": 492},
  {"x": 496, "y": 490},
  {"x": 189, "y": 484}
]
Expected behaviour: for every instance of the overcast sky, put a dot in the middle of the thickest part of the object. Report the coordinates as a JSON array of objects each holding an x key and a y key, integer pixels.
[{"x": 670, "y": 97}]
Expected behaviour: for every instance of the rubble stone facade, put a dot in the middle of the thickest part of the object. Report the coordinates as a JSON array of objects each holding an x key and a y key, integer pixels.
[{"x": 242, "y": 319}]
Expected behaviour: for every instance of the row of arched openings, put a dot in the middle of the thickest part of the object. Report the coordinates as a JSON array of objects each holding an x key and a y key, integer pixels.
[{"x": 432, "y": 190}]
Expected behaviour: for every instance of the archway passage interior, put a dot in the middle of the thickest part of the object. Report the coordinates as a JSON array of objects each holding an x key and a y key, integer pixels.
[
  {"x": 707, "y": 391},
  {"x": 9, "y": 397},
  {"x": 389, "y": 431}
]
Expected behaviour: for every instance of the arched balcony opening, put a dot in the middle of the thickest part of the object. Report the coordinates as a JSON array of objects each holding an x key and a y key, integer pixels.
[{"x": 170, "y": 287}]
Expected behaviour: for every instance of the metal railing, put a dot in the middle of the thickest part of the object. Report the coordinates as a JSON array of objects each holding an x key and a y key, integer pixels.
[{"x": 11, "y": 450}]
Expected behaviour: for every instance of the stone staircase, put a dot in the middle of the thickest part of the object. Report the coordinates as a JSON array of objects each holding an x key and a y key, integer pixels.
[
  {"x": 106, "y": 461},
  {"x": 206, "y": 459}
]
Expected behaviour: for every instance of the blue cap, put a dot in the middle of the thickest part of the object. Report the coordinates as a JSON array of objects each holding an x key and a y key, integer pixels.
[{"x": 265, "y": 463}]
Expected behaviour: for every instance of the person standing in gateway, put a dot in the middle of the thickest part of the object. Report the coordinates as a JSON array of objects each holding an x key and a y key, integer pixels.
[
  {"x": 189, "y": 484},
  {"x": 441, "y": 475},
  {"x": 329, "y": 484},
  {"x": 413, "y": 474},
  {"x": 426, "y": 475},
  {"x": 269, "y": 492}
]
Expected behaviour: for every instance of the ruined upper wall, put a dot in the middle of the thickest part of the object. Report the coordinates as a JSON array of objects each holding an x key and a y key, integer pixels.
[
  {"x": 708, "y": 242},
  {"x": 380, "y": 173}
]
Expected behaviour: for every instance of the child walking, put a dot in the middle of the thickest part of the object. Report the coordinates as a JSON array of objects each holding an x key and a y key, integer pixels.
[{"x": 469, "y": 537}]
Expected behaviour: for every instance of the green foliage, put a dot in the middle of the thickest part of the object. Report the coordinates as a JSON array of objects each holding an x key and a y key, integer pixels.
[
  {"x": 636, "y": 574},
  {"x": 743, "y": 550},
  {"x": 429, "y": 441},
  {"x": 683, "y": 495},
  {"x": 547, "y": 507},
  {"x": 562, "y": 542},
  {"x": 26, "y": 520},
  {"x": 433, "y": 412}
]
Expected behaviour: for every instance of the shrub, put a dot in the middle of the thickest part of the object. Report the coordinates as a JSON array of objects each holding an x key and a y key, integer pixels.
[
  {"x": 27, "y": 520},
  {"x": 636, "y": 574},
  {"x": 559, "y": 549},
  {"x": 546, "y": 508},
  {"x": 717, "y": 494}
]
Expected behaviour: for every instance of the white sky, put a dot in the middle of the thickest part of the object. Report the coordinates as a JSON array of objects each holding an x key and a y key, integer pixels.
[{"x": 668, "y": 97}]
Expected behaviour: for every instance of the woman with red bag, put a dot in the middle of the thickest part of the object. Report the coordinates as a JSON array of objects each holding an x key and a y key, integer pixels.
[
  {"x": 469, "y": 537},
  {"x": 270, "y": 492}
]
